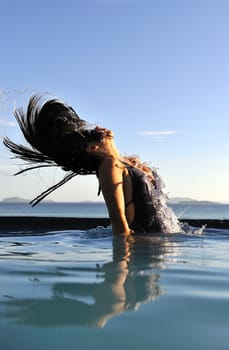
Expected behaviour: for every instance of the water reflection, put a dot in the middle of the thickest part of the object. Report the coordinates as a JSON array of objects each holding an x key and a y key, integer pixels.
[{"x": 129, "y": 280}]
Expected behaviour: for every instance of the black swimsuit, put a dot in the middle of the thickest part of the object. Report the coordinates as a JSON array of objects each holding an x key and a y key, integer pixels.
[{"x": 144, "y": 219}]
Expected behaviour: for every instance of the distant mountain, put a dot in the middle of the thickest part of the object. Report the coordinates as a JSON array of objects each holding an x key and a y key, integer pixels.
[
  {"x": 176, "y": 200},
  {"x": 14, "y": 200},
  {"x": 20, "y": 200},
  {"x": 189, "y": 201}
]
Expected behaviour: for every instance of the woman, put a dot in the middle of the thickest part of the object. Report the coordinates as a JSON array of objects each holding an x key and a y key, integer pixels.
[{"x": 59, "y": 137}]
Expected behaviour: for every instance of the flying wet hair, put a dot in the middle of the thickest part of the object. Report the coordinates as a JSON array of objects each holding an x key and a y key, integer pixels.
[{"x": 58, "y": 137}]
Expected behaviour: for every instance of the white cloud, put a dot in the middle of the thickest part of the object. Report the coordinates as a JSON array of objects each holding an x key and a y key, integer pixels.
[
  {"x": 7, "y": 123},
  {"x": 158, "y": 134}
]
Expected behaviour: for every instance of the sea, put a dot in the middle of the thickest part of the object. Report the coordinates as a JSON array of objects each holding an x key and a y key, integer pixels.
[
  {"x": 98, "y": 209},
  {"x": 75, "y": 289}
]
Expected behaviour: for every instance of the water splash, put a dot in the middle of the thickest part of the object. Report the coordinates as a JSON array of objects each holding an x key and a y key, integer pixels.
[
  {"x": 190, "y": 230},
  {"x": 166, "y": 218},
  {"x": 10, "y": 99}
]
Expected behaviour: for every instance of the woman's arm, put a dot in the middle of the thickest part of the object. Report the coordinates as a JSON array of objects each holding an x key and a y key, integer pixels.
[{"x": 111, "y": 182}]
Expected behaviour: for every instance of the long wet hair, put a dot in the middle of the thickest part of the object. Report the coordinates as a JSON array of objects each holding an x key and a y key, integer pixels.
[{"x": 58, "y": 137}]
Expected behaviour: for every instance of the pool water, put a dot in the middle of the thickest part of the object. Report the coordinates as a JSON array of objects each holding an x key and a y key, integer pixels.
[{"x": 83, "y": 290}]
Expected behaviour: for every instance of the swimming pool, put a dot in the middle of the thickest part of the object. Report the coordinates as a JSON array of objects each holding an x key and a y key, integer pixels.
[{"x": 86, "y": 289}]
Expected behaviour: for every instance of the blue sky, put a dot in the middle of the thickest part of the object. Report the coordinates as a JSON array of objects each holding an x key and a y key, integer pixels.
[{"x": 155, "y": 72}]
